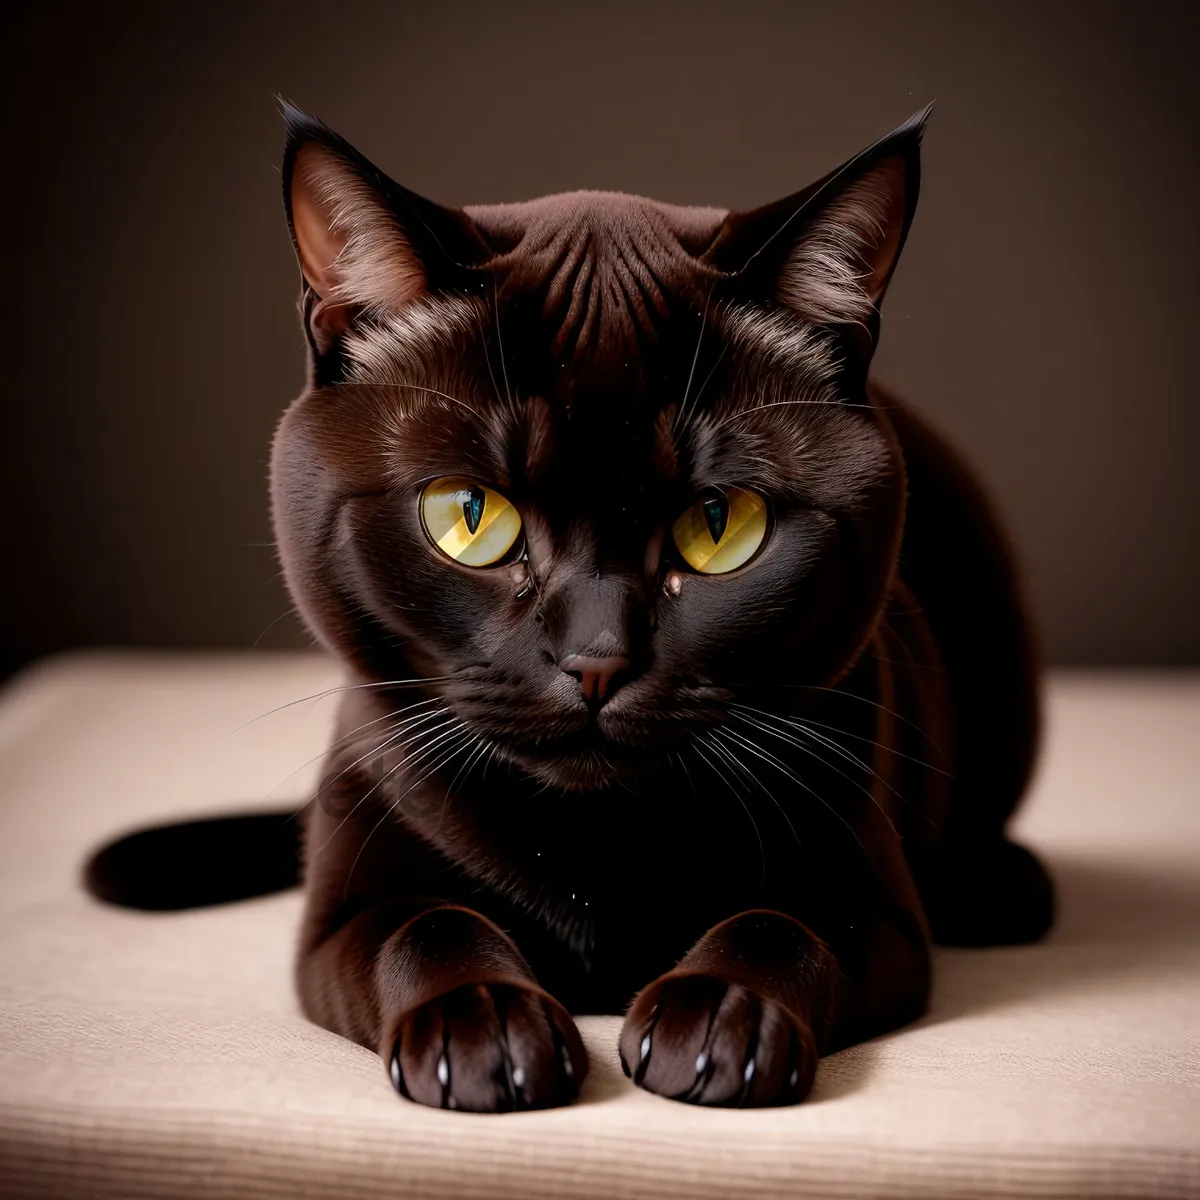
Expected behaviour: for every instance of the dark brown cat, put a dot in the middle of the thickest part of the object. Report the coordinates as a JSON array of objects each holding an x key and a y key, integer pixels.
[{"x": 687, "y": 673}]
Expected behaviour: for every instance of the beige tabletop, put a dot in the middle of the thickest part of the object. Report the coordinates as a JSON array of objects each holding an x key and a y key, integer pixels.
[{"x": 146, "y": 1055}]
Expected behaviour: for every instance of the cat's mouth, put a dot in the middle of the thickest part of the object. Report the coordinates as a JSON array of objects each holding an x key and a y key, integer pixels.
[
  {"x": 593, "y": 757},
  {"x": 585, "y": 749}
]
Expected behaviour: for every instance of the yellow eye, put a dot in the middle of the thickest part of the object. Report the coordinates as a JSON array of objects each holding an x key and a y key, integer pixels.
[
  {"x": 721, "y": 530},
  {"x": 468, "y": 522}
]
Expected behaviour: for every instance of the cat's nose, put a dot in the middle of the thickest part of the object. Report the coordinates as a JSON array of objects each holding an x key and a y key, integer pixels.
[{"x": 595, "y": 675}]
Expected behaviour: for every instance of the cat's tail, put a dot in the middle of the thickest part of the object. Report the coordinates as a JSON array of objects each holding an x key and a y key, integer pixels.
[{"x": 197, "y": 863}]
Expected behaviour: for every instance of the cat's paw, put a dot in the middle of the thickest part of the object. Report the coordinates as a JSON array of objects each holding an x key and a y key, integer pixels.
[
  {"x": 699, "y": 1039},
  {"x": 489, "y": 1048}
]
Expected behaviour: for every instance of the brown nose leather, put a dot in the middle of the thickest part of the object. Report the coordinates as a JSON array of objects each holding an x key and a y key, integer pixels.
[{"x": 595, "y": 675}]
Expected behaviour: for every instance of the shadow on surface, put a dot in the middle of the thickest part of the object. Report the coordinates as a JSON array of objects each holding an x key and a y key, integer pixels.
[
  {"x": 1115, "y": 920},
  {"x": 845, "y": 1072}
]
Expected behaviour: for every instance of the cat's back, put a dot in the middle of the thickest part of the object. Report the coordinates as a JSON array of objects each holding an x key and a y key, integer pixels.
[{"x": 957, "y": 560}]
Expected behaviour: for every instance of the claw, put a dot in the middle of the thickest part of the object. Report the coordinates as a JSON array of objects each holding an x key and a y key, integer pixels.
[
  {"x": 478, "y": 1072},
  {"x": 643, "y": 1058},
  {"x": 562, "y": 1054}
]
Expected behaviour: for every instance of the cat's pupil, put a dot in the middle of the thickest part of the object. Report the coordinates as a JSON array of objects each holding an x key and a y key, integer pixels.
[
  {"x": 473, "y": 508},
  {"x": 716, "y": 514}
]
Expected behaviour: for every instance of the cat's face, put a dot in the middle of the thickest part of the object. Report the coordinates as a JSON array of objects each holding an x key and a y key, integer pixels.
[{"x": 593, "y": 466}]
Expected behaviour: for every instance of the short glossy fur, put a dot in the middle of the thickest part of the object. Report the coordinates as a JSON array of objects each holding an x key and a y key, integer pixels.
[{"x": 745, "y": 831}]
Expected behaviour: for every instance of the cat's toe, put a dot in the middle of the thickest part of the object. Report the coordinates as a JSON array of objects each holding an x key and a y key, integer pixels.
[
  {"x": 702, "y": 1040},
  {"x": 489, "y": 1048}
]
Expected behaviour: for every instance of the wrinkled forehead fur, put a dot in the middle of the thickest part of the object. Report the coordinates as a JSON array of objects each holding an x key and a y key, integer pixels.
[{"x": 612, "y": 352}]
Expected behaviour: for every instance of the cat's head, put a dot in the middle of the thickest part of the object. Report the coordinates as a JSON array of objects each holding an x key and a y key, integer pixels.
[{"x": 590, "y": 464}]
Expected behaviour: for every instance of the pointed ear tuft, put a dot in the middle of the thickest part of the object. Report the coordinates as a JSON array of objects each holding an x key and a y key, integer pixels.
[
  {"x": 351, "y": 247},
  {"x": 828, "y": 252},
  {"x": 364, "y": 243},
  {"x": 838, "y": 269}
]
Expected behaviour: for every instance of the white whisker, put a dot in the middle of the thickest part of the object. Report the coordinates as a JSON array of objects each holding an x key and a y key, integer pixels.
[
  {"x": 682, "y": 413},
  {"x": 390, "y": 809},
  {"x": 471, "y": 759},
  {"x": 345, "y": 740},
  {"x": 388, "y": 744},
  {"x": 728, "y": 733},
  {"x": 762, "y": 853},
  {"x": 786, "y": 770},
  {"x": 350, "y": 687},
  {"x": 800, "y": 726}
]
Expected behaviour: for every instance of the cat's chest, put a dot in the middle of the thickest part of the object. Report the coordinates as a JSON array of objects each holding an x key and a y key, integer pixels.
[
  {"x": 634, "y": 897},
  {"x": 604, "y": 897}
]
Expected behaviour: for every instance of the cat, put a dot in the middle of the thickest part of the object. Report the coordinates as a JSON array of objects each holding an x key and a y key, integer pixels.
[{"x": 687, "y": 671}]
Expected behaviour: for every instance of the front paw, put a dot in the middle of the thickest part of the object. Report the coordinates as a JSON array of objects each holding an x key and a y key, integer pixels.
[
  {"x": 489, "y": 1048},
  {"x": 699, "y": 1039}
]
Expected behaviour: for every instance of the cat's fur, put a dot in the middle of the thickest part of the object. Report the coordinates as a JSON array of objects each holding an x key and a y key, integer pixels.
[{"x": 801, "y": 772}]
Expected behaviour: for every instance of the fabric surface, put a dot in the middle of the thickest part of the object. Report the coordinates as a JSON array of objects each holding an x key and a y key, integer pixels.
[{"x": 147, "y": 1055}]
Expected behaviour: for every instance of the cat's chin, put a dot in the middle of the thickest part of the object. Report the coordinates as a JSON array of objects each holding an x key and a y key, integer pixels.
[{"x": 581, "y": 771}]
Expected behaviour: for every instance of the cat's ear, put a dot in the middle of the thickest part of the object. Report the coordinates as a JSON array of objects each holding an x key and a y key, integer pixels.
[
  {"x": 828, "y": 252},
  {"x": 363, "y": 242}
]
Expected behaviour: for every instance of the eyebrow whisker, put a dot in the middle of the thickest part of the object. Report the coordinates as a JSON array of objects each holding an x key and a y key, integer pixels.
[{"x": 695, "y": 356}]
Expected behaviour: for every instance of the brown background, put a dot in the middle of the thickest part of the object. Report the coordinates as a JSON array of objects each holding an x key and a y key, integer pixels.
[{"x": 1045, "y": 312}]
